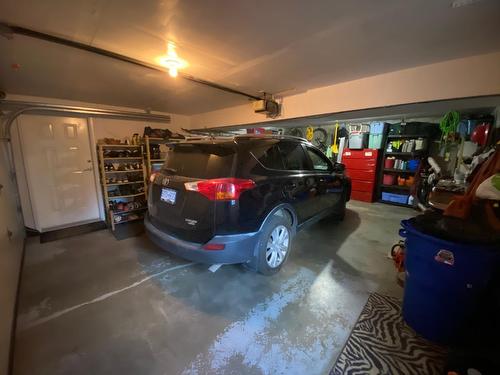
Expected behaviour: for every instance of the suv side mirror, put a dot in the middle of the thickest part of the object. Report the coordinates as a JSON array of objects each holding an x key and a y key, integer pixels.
[{"x": 338, "y": 167}]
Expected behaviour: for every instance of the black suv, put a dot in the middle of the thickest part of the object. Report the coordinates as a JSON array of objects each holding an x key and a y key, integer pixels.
[{"x": 242, "y": 199}]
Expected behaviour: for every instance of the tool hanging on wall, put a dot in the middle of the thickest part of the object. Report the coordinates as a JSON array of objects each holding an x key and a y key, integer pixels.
[
  {"x": 320, "y": 137},
  {"x": 296, "y": 132},
  {"x": 335, "y": 147},
  {"x": 309, "y": 133}
]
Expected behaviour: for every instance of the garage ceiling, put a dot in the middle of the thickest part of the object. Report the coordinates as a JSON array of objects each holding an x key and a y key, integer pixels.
[{"x": 281, "y": 46}]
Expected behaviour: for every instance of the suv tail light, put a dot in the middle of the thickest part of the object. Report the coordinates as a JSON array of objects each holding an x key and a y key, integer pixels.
[{"x": 221, "y": 189}]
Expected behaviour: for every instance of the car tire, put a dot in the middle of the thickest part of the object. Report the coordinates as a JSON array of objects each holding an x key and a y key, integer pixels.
[
  {"x": 340, "y": 209},
  {"x": 341, "y": 215},
  {"x": 269, "y": 243}
]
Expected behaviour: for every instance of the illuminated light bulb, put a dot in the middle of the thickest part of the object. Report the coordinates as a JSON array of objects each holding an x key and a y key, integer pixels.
[
  {"x": 172, "y": 61},
  {"x": 172, "y": 72}
]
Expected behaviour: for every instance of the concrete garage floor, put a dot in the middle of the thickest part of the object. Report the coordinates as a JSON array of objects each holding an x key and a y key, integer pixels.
[{"x": 94, "y": 305}]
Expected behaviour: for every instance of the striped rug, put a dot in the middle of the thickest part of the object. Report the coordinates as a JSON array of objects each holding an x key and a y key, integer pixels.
[{"x": 381, "y": 343}]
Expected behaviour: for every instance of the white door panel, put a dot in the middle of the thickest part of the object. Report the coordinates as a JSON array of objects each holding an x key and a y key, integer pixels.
[{"x": 57, "y": 156}]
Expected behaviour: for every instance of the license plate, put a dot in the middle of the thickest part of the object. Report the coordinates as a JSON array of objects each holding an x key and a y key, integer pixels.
[{"x": 168, "y": 195}]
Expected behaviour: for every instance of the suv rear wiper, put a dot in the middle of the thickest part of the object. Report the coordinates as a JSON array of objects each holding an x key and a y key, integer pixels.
[{"x": 171, "y": 170}]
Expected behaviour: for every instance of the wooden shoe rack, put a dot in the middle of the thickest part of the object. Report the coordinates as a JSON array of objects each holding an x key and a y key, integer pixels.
[{"x": 123, "y": 181}]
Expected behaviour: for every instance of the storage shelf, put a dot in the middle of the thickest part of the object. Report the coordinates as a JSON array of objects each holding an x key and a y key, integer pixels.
[
  {"x": 129, "y": 171},
  {"x": 157, "y": 160},
  {"x": 129, "y": 211},
  {"x": 125, "y": 157},
  {"x": 396, "y": 203},
  {"x": 130, "y": 156},
  {"x": 402, "y": 136},
  {"x": 120, "y": 146},
  {"x": 125, "y": 196},
  {"x": 399, "y": 170},
  {"x": 397, "y": 187},
  {"x": 125, "y": 183},
  {"x": 413, "y": 153}
]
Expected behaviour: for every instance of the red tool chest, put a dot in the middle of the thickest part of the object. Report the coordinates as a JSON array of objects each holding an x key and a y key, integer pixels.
[{"x": 361, "y": 167}]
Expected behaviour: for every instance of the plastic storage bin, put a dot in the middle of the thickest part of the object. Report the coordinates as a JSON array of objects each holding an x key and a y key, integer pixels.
[
  {"x": 389, "y": 163},
  {"x": 377, "y": 127},
  {"x": 444, "y": 281},
  {"x": 389, "y": 179},
  {"x": 375, "y": 141},
  {"x": 413, "y": 164},
  {"x": 358, "y": 141},
  {"x": 361, "y": 166},
  {"x": 396, "y": 198}
]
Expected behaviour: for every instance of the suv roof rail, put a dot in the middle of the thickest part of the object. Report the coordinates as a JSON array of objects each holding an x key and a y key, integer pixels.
[{"x": 279, "y": 136}]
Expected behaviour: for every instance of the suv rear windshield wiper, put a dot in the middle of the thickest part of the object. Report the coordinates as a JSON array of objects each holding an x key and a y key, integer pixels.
[{"x": 171, "y": 170}]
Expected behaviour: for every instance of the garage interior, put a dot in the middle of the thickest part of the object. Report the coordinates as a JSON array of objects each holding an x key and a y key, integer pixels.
[{"x": 405, "y": 95}]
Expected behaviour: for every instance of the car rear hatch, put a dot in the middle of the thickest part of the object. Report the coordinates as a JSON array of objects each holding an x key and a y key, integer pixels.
[{"x": 175, "y": 204}]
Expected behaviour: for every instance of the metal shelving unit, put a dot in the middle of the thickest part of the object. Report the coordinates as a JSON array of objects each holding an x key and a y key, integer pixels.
[
  {"x": 112, "y": 179},
  {"x": 418, "y": 154},
  {"x": 398, "y": 170}
]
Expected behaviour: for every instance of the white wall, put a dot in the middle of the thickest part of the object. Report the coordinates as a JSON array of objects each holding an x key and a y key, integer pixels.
[
  {"x": 98, "y": 128},
  {"x": 461, "y": 78},
  {"x": 10, "y": 255}
]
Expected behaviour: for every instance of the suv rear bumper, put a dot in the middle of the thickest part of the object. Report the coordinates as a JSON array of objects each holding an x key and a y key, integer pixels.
[{"x": 239, "y": 248}]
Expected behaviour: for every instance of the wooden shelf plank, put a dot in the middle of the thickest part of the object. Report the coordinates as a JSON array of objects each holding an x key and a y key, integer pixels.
[
  {"x": 125, "y": 157},
  {"x": 129, "y": 211},
  {"x": 129, "y": 171},
  {"x": 120, "y": 146},
  {"x": 125, "y": 183},
  {"x": 125, "y": 196}
]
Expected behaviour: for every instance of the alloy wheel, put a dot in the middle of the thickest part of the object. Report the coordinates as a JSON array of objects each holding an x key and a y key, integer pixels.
[{"x": 277, "y": 246}]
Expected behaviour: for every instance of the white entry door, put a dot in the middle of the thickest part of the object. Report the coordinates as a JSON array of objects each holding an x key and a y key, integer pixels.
[{"x": 59, "y": 170}]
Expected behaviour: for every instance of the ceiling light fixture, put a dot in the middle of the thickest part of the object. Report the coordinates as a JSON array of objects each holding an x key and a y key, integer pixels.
[{"x": 172, "y": 61}]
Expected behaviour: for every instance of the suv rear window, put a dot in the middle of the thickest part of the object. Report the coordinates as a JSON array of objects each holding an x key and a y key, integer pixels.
[
  {"x": 199, "y": 161},
  {"x": 269, "y": 157},
  {"x": 282, "y": 156},
  {"x": 293, "y": 156}
]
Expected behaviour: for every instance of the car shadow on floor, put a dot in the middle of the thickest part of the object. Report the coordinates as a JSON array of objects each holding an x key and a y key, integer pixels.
[{"x": 233, "y": 290}]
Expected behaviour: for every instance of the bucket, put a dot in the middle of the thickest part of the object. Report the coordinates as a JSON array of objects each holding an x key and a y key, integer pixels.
[
  {"x": 389, "y": 163},
  {"x": 389, "y": 179},
  {"x": 444, "y": 282}
]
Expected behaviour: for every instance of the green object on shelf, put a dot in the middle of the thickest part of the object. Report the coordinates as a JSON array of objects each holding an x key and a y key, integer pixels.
[{"x": 449, "y": 123}]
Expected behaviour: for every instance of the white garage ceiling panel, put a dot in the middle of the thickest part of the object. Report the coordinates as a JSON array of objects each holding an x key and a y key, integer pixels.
[{"x": 274, "y": 46}]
